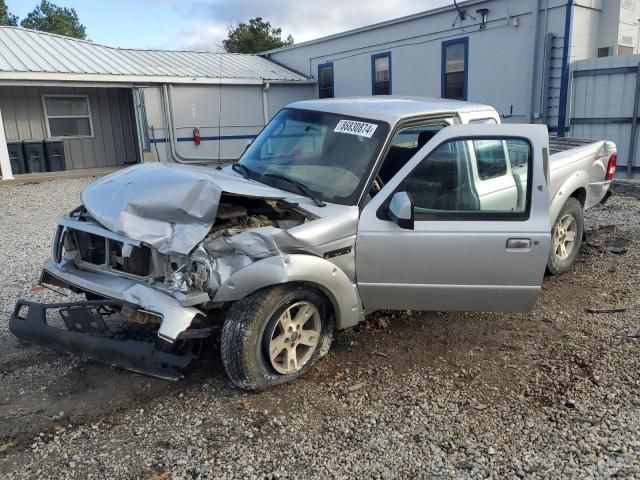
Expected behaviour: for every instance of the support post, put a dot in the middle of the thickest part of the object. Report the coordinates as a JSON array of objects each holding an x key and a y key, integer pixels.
[
  {"x": 634, "y": 127},
  {"x": 5, "y": 164}
]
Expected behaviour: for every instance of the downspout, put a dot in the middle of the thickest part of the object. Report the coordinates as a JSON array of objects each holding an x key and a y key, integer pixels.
[
  {"x": 564, "y": 83},
  {"x": 5, "y": 163},
  {"x": 265, "y": 105},
  {"x": 536, "y": 52}
]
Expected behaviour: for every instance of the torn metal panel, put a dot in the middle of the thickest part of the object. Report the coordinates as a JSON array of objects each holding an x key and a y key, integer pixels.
[
  {"x": 171, "y": 208},
  {"x": 175, "y": 317}
]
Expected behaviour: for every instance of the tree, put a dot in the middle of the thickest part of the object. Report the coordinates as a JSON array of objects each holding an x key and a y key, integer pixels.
[
  {"x": 253, "y": 37},
  {"x": 6, "y": 18},
  {"x": 51, "y": 18}
]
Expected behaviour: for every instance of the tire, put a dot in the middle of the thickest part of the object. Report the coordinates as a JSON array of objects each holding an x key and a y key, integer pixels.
[
  {"x": 568, "y": 225},
  {"x": 254, "y": 325}
]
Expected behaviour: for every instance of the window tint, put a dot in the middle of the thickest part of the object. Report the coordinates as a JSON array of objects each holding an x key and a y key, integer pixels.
[
  {"x": 454, "y": 67},
  {"x": 491, "y": 158},
  {"x": 68, "y": 116},
  {"x": 404, "y": 146},
  {"x": 446, "y": 182},
  {"x": 381, "y": 72},
  {"x": 325, "y": 80},
  {"x": 69, "y": 127}
]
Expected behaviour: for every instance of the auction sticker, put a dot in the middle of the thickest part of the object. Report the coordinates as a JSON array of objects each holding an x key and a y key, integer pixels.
[{"x": 351, "y": 127}]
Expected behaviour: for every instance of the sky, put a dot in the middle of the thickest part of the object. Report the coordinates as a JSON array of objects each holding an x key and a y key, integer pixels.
[{"x": 203, "y": 24}]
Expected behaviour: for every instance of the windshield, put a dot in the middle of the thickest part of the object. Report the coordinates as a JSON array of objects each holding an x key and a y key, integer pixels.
[{"x": 328, "y": 154}]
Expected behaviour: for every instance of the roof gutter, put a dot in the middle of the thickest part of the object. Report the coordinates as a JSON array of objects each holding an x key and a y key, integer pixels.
[{"x": 20, "y": 78}]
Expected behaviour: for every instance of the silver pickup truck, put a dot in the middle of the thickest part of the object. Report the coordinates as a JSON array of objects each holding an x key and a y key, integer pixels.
[{"x": 338, "y": 208}]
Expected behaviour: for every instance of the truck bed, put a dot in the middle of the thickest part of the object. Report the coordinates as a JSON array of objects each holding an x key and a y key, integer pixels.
[
  {"x": 560, "y": 144},
  {"x": 578, "y": 164}
]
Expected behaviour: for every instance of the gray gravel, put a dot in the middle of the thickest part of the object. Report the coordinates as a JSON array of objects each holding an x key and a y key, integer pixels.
[
  {"x": 555, "y": 393},
  {"x": 29, "y": 216}
]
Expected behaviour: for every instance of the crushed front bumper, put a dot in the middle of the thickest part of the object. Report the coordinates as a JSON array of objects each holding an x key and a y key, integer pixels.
[{"x": 29, "y": 323}]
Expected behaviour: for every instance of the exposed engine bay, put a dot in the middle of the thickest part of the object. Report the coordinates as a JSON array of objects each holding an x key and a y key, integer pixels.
[
  {"x": 162, "y": 253},
  {"x": 204, "y": 269}
]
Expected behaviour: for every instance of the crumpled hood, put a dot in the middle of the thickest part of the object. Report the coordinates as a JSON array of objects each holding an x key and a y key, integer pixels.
[{"x": 171, "y": 208}]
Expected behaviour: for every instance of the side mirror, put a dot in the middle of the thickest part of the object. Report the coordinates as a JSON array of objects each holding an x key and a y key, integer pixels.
[{"x": 401, "y": 210}]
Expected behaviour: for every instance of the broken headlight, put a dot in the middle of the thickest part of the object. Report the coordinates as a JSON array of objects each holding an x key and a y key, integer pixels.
[{"x": 194, "y": 276}]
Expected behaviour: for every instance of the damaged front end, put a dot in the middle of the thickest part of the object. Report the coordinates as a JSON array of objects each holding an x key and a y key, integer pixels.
[{"x": 167, "y": 265}]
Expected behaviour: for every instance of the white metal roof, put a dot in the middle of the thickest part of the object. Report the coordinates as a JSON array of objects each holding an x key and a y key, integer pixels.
[
  {"x": 38, "y": 56},
  {"x": 390, "y": 108}
]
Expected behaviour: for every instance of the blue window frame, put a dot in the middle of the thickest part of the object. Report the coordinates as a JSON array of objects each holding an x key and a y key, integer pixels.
[
  {"x": 381, "y": 74},
  {"x": 455, "y": 69},
  {"x": 325, "y": 80}
]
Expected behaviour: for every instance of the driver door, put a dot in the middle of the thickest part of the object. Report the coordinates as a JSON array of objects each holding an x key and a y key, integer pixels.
[{"x": 479, "y": 235}]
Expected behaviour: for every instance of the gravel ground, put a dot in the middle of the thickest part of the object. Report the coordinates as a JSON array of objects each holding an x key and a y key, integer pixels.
[{"x": 554, "y": 393}]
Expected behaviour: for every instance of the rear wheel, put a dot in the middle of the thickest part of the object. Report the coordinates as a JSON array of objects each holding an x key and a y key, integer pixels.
[
  {"x": 566, "y": 237},
  {"x": 275, "y": 335}
]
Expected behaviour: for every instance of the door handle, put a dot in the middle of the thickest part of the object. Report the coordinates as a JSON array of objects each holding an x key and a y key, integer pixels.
[{"x": 518, "y": 244}]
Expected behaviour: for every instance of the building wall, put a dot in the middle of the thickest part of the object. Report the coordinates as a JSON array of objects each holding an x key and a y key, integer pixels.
[
  {"x": 114, "y": 142},
  {"x": 502, "y": 70},
  {"x": 604, "y": 92},
  {"x": 227, "y": 116}
]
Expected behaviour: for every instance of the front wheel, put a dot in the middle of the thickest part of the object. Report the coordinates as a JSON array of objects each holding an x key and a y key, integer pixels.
[
  {"x": 275, "y": 335},
  {"x": 566, "y": 237}
]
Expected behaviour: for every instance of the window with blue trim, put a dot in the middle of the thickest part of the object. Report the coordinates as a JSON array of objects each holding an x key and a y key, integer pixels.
[
  {"x": 455, "y": 56},
  {"x": 381, "y": 74},
  {"x": 325, "y": 80}
]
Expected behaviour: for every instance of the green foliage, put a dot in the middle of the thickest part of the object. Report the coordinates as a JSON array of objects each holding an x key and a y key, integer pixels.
[
  {"x": 253, "y": 37},
  {"x": 6, "y": 18},
  {"x": 51, "y": 18}
]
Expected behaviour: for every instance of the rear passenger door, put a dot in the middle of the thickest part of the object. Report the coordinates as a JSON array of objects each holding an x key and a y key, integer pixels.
[{"x": 476, "y": 243}]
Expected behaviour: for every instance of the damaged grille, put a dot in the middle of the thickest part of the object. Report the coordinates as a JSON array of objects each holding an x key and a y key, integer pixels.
[{"x": 112, "y": 254}]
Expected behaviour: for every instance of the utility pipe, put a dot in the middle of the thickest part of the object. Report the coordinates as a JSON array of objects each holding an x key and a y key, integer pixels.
[{"x": 265, "y": 105}]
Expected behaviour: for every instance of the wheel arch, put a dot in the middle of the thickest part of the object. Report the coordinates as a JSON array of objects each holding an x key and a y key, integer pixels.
[
  {"x": 573, "y": 187},
  {"x": 309, "y": 270}
]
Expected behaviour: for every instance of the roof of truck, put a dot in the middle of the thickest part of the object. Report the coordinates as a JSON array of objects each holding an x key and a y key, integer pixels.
[{"x": 391, "y": 108}]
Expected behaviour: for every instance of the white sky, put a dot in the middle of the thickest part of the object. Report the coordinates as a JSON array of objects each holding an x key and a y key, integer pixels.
[{"x": 202, "y": 24}]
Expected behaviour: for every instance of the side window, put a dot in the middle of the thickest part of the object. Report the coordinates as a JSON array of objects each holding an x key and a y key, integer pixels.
[
  {"x": 325, "y": 80},
  {"x": 455, "y": 55},
  {"x": 447, "y": 184},
  {"x": 490, "y": 158},
  {"x": 68, "y": 116},
  {"x": 381, "y": 74},
  {"x": 404, "y": 146}
]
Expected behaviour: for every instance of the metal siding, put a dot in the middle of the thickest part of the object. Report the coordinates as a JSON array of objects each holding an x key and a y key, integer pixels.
[
  {"x": 241, "y": 106},
  {"x": 602, "y": 103},
  {"x": 116, "y": 126},
  {"x": 24, "y": 50},
  {"x": 114, "y": 135},
  {"x": 278, "y": 96}
]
